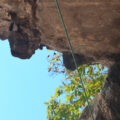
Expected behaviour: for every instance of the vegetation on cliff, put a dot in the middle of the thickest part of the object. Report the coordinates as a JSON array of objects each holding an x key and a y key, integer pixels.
[{"x": 69, "y": 98}]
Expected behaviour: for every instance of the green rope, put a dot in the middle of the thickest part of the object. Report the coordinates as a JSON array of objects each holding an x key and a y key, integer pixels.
[{"x": 71, "y": 49}]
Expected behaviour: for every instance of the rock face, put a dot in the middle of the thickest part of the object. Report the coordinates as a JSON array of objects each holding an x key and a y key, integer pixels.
[{"x": 93, "y": 27}]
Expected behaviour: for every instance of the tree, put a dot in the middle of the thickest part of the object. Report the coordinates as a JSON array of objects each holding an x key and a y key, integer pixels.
[{"x": 69, "y": 99}]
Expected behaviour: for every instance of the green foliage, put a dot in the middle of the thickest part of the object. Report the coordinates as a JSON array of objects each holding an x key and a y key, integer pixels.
[{"x": 69, "y": 99}]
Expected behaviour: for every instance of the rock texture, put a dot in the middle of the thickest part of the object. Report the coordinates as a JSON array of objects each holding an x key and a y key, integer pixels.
[{"x": 94, "y": 30}]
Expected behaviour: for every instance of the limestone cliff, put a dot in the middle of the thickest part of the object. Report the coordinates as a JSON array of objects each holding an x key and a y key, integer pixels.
[{"x": 94, "y": 30}]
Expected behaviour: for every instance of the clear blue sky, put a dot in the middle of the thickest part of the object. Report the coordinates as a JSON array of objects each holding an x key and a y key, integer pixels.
[{"x": 25, "y": 85}]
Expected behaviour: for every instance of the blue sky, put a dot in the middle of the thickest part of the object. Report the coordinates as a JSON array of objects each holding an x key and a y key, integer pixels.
[{"x": 25, "y": 85}]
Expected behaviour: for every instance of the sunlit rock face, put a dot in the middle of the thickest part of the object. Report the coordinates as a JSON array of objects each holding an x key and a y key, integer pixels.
[{"x": 93, "y": 27}]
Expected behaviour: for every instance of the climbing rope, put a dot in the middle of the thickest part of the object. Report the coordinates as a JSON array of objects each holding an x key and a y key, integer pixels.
[{"x": 71, "y": 49}]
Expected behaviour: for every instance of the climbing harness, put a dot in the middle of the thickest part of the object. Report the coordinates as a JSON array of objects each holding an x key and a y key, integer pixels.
[{"x": 71, "y": 49}]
